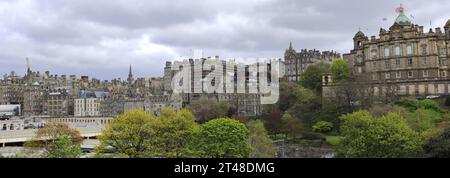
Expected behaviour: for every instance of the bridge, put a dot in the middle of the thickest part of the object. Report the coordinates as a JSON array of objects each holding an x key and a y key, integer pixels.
[{"x": 21, "y": 136}]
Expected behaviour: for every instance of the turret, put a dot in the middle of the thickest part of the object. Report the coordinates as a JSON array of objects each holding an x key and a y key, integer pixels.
[
  {"x": 359, "y": 39},
  {"x": 447, "y": 28}
]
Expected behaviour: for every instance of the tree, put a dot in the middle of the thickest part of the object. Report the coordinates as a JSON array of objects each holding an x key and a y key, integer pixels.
[
  {"x": 365, "y": 136},
  {"x": 322, "y": 127},
  {"x": 172, "y": 131},
  {"x": 219, "y": 138},
  {"x": 63, "y": 147},
  {"x": 439, "y": 147},
  {"x": 272, "y": 119},
  {"x": 205, "y": 109},
  {"x": 340, "y": 69},
  {"x": 291, "y": 126},
  {"x": 130, "y": 134},
  {"x": 46, "y": 136},
  {"x": 291, "y": 94},
  {"x": 262, "y": 145},
  {"x": 311, "y": 78}
]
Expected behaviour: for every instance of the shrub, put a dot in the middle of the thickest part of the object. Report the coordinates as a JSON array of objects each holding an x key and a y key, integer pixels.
[{"x": 322, "y": 127}]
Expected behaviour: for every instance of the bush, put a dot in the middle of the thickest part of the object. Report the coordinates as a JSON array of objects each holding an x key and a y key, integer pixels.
[{"x": 322, "y": 127}]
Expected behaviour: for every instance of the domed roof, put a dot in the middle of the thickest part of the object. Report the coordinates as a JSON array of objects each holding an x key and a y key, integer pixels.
[
  {"x": 402, "y": 19},
  {"x": 359, "y": 34}
]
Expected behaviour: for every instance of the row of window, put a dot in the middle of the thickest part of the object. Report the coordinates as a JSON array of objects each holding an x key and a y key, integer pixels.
[
  {"x": 410, "y": 74},
  {"x": 397, "y": 50},
  {"x": 409, "y": 63}
]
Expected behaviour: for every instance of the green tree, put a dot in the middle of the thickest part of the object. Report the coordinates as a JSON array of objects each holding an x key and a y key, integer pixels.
[
  {"x": 172, "y": 131},
  {"x": 219, "y": 138},
  {"x": 322, "y": 127},
  {"x": 262, "y": 145},
  {"x": 131, "y": 134},
  {"x": 292, "y": 126},
  {"x": 311, "y": 78},
  {"x": 366, "y": 136},
  {"x": 272, "y": 119},
  {"x": 340, "y": 69},
  {"x": 63, "y": 147},
  {"x": 47, "y": 135}
]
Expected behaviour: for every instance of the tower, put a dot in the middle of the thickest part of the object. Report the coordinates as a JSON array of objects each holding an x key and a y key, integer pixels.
[
  {"x": 358, "y": 40},
  {"x": 447, "y": 28}
]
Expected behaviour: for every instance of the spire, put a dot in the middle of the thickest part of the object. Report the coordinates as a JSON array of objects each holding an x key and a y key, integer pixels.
[
  {"x": 28, "y": 66},
  {"x": 401, "y": 19},
  {"x": 290, "y": 46},
  {"x": 130, "y": 73}
]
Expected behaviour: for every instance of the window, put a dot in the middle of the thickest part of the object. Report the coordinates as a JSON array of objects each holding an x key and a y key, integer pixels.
[
  {"x": 397, "y": 63},
  {"x": 386, "y": 52},
  {"x": 409, "y": 50},
  {"x": 410, "y": 74},
  {"x": 425, "y": 73},
  {"x": 424, "y": 61},
  {"x": 387, "y": 64},
  {"x": 410, "y": 62},
  {"x": 444, "y": 74},
  {"x": 397, "y": 51},
  {"x": 388, "y": 75},
  {"x": 398, "y": 74}
]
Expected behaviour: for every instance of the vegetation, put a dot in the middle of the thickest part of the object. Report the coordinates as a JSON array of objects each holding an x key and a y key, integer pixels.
[
  {"x": 365, "y": 136},
  {"x": 440, "y": 146},
  {"x": 311, "y": 78},
  {"x": 262, "y": 146},
  {"x": 63, "y": 147},
  {"x": 340, "y": 70},
  {"x": 323, "y": 127},
  {"x": 219, "y": 138}
]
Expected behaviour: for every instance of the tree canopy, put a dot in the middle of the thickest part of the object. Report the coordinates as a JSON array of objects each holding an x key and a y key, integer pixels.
[{"x": 340, "y": 69}]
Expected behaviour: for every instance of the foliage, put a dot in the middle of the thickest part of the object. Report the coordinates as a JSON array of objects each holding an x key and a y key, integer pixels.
[
  {"x": 47, "y": 135},
  {"x": 63, "y": 147},
  {"x": 291, "y": 94},
  {"x": 322, "y": 127},
  {"x": 439, "y": 146},
  {"x": 414, "y": 104},
  {"x": 262, "y": 146},
  {"x": 423, "y": 119},
  {"x": 172, "y": 131},
  {"x": 291, "y": 126},
  {"x": 205, "y": 109},
  {"x": 130, "y": 134},
  {"x": 333, "y": 140},
  {"x": 311, "y": 78},
  {"x": 272, "y": 119},
  {"x": 447, "y": 101},
  {"x": 386, "y": 136},
  {"x": 340, "y": 69},
  {"x": 219, "y": 138}
]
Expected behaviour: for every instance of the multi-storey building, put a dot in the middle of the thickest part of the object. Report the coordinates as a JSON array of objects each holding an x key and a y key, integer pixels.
[
  {"x": 88, "y": 103},
  {"x": 58, "y": 103},
  {"x": 416, "y": 62},
  {"x": 33, "y": 100},
  {"x": 297, "y": 62}
]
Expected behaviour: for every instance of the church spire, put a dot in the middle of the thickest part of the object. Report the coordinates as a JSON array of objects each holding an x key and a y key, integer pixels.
[
  {"x": 290, "y": 45},
  {"x": 130, "y": 73}
]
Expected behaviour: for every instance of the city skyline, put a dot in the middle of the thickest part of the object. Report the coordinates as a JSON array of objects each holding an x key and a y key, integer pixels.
[{"x": 67, "y": 37}]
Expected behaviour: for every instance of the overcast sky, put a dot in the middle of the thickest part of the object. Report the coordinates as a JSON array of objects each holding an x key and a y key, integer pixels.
[{"x": 102, "y": 38}]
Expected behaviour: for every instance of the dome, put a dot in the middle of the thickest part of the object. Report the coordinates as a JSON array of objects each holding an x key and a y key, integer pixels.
[{"x": 402, "y": 19}]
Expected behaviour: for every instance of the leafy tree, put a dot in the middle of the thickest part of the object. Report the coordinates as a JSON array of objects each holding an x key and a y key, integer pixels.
[
  {"x": 262, "y": 145},
  {"x": 323, "y": 127},
  {"x": 429, "y": 104},
  {"x": 291, "y": 94},
  {"x": 311, "y": 78},
  {"x": 205, "y": 109},
  {"x": 272, "y": 119},
  {"x": 340, "y": 69},
  {"x": 439, "y": 146},
  {"x": 291, "y": 126},
  {"x": 387, "y": 136},
  {"x": 423, "y": 119},
  {"x": 63, "y": 147},
  {"x": 172, "y": 131},
  {"x": 47, "y": 135},
  {"x": 219, "y": 138},
  {"x": 130, "y": 134}
]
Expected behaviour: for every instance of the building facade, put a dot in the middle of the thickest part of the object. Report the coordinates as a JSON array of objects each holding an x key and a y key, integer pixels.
[
  {"x": 414, "y": 61},
  {"x": 295, "y": 63}
]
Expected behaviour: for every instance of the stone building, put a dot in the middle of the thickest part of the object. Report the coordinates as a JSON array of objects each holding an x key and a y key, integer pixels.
[
  {"x": 33, "y": 100},
  {"x": 297, "y": 62},
  {"x": 414, "y": 61},
  {"x": 58, "y": 103},
  {"x": 154, "y": 104}
]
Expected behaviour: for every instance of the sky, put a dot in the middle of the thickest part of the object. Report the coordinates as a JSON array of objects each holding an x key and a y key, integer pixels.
[{"x": 102, "y": 38}]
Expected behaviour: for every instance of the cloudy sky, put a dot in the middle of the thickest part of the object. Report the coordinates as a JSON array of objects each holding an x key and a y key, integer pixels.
[{"x": 102, "y": 38}]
